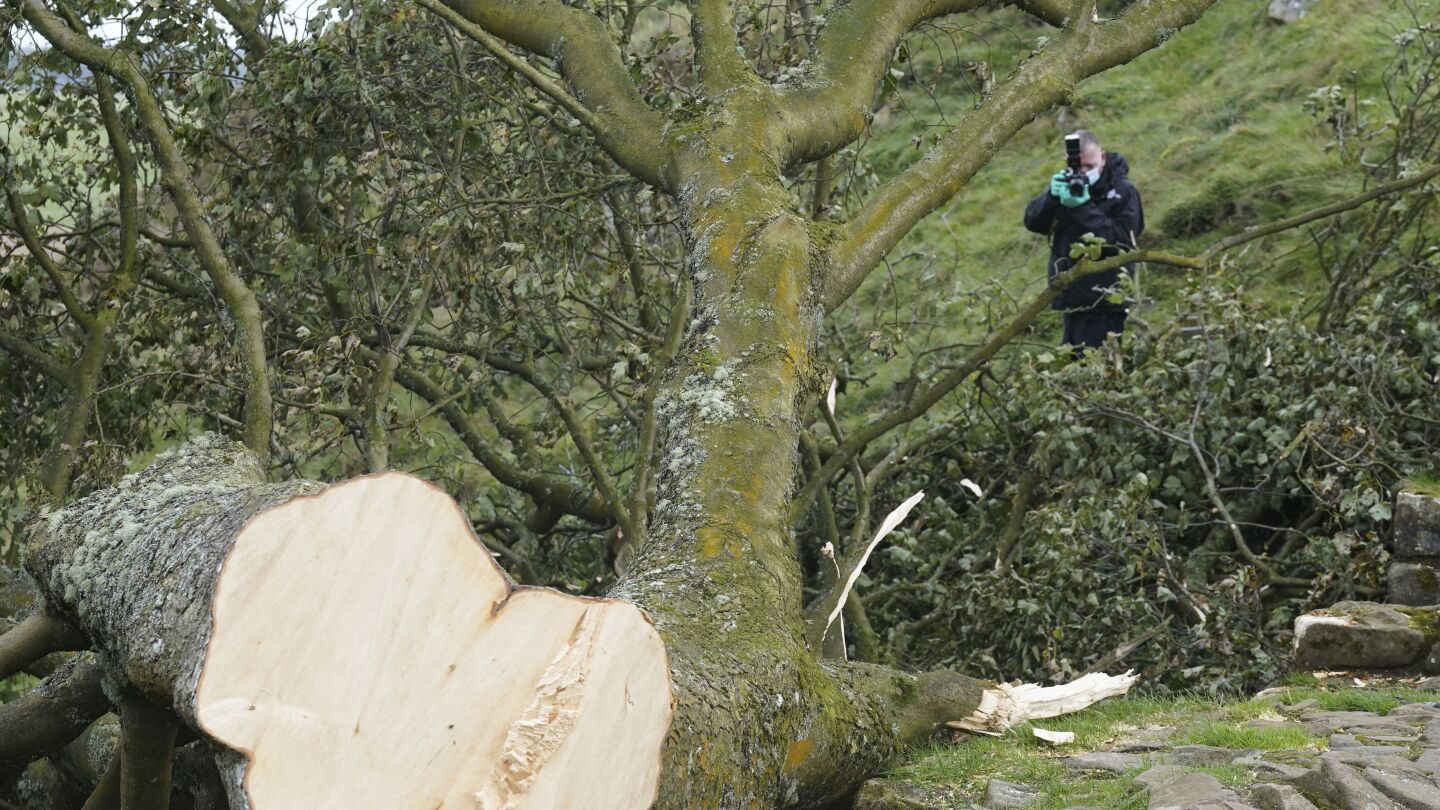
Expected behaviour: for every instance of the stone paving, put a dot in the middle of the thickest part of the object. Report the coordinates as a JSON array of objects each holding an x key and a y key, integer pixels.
[{"x": 1371, "y": 762}]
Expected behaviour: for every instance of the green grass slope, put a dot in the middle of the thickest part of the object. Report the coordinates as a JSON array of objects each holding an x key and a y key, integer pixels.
[{"x": 1213, "y": 125}]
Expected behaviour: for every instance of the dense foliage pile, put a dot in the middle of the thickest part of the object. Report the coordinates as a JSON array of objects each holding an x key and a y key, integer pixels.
[
  {"x": 1109, "y": 485},
  {"x": 1172, "y": 503}
]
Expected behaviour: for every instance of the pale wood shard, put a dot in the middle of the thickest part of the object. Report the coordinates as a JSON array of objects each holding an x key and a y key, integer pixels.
[
  {"x": 1005, "y": 706},
  {"x": 1053, "y": 737},
  {"x": 366, "y": 652},
  {"x": 895, "y": 518}
]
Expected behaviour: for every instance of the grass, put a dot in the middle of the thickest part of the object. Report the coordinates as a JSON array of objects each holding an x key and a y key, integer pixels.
[
  {"x": 1217, "y": 112},
  {"x": 1424, "y": 484},
  {"x": 1358, "y": 700},
  {"x": 1226, "y": 735}
]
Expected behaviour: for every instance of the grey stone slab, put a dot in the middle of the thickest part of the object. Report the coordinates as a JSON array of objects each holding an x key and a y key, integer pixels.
[
  {"x": 1342, "y": 785},
  {"x": 1343, "y": 741},
  {"x": 1173, "y": 788},
  {"x": 1412, "y": 791},
  {"x": 1357, "y": 634},
  {"x": 1139, "y": 747},
  {"x": 1105, "y": 761},
  {"x": 1429, "y": 759},
  {"x": 1415, "y": 709},
  {"x": 1417, "y": 525},
  {"x": 1432, "y": 731},
  {"x": 1271, "y": 770},
  {"x": 1301, "y": 707},
  {"x": 1288, "y": 11},
  {"x": 1002, "y": 795},
  {"x": 1206, "y": 755},
  {"x": 1369, "y": 753},
  {"x": 1340, "y": 719},
  {"x": 1394, "y": 764},
  {"x": 1412, "y": 582},
  {"x": 1268, "y": 796},
  {"x": 1277, "y": 724}
]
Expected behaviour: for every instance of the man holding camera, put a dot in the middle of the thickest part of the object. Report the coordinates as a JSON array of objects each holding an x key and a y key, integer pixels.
[{"x": 1093, "y": 196}]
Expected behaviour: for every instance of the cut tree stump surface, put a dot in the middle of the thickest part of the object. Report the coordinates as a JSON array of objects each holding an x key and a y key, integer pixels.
[{"x": 365, "y": 628}]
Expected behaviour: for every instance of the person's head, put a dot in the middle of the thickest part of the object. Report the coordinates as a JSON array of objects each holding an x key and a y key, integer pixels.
[{"x": 1092, "y": 157}]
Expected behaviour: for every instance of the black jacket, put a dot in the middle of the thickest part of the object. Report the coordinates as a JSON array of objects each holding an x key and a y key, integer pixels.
[{"x": 1112, "y": 213}]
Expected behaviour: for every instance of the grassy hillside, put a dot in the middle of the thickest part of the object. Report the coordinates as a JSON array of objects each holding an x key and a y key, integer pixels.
[{"x": 1213, "y": 125}]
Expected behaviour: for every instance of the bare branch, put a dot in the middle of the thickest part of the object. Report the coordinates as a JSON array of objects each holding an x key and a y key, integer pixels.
[{"x": 47, "y": 718}]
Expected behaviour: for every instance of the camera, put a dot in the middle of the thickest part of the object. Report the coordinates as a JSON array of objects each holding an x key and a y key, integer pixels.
[{"x": 1075, "y": 179}]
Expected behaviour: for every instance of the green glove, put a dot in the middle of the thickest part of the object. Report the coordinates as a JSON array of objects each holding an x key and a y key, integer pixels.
[
  {"x": 1066, "y": 198},
  {"x": 1057, "y": 184}
]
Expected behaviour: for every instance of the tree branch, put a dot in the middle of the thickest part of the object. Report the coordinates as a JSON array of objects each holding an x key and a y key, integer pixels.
[
  {"x": 590, "y": 61},
  {"x": 35, "y": 637},
  {"x": 1341, "y": 207},
  {"x": 923, "y": 401},
  {"x": 238, "y": 297},
  {"x": 82, "y": 316},
  {"x": 830, "y": 106},
  {"x": 39, "y": 358},
  {"x": 147, "y": 747},
  {"x": 554, "y": 492},
  {"x": 246, "y": 23},
  {"x": 717, "y": 49},
  {"x": 377, "y": 436},
  {"x": 48, "y": 717}
]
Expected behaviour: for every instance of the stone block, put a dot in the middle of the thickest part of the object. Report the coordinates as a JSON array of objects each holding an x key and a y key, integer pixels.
[
  {"x": 1413, "y": 582},
  {"x": 1417, "y": 524},
  {"x": 1357, "y": 634}
]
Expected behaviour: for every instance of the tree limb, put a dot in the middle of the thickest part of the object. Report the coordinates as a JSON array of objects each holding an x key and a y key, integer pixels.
[
  {"x": 147, "y": 747},
  {"x": 830, "y": 107},
  {"x": 38, "y": 358},
  {"x": 924, "y": 400},
  {"x": 717, "y": 49},
  {"x": 35, "y": 637},
  {"x": 626, "y": 128},
  {"x": 48, "y": 717},
  {"x": 545, "y": 489}
]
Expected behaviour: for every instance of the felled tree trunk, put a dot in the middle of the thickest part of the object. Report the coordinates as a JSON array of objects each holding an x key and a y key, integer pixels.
[{"x": 353, "y": 646}]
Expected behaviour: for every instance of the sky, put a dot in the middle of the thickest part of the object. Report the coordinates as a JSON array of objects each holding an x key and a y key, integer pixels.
[{"x": 291, "y": 25}]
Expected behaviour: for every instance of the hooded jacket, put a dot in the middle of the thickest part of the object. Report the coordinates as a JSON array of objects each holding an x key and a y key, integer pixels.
[{"x": 1113, "y": 213}]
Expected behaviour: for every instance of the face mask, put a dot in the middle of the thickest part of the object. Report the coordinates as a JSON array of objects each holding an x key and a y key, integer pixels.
[{"x": 1092, "y": 175}]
